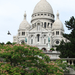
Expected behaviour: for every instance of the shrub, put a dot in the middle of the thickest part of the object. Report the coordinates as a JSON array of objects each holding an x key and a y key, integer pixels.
[{"x": 26, "y": 60}]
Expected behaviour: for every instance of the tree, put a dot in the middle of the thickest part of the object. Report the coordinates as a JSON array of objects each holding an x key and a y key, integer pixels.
[
  {"x": 8, "y": 42},
  {"x": 26, "y": 60},
  {"x": 68, "y": 49},
  {"x": 2, "y": 43},
  {"x": 52, "y": 49}
]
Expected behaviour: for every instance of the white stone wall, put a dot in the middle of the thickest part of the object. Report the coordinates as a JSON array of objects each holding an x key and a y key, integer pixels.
[{"x": 32, "y": 31}]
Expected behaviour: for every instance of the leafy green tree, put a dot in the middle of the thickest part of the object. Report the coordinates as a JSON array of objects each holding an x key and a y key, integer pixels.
[
  {"x": 2, "y": 43},
  {"x": 8, "y": 42},
  {"x": 26, "y": 60},
  {"x": 68, "y": 49},
  {"x": 14, "y": 43}
]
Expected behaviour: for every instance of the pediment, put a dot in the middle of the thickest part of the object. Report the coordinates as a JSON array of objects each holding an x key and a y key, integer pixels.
[{"x": 39, "y": 29}]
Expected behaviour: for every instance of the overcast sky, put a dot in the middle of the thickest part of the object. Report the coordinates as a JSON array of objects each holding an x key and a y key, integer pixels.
[{"x": 12, "y": 11}]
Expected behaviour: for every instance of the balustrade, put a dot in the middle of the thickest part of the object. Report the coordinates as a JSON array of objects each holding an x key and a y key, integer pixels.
[{"x": 70, "y": 61}]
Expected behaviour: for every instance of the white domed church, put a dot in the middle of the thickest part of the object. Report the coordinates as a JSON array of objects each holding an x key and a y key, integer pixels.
[{"x": 45, "y": 32}]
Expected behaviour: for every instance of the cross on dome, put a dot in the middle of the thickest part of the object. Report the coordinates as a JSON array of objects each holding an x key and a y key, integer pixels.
[
  {"x": 25, "y": 15},
  {"x": 57, "y": 15}
]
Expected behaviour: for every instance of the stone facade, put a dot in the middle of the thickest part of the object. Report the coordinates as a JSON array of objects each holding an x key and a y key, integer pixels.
[{"x": 45, "y": 32}]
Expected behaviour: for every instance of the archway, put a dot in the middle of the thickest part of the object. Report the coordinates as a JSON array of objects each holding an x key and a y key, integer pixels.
[
  {"x": 44, "y": 49},
  {"x": 22, "y": 42}
]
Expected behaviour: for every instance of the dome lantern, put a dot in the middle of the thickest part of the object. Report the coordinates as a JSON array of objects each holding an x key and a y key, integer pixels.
[
  {"x": 43, "y": 0},
  {"x": 57, "y": 15},
  {"x": 25, "y": 15}
]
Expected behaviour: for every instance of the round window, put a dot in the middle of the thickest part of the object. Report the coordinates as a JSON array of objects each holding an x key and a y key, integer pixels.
[{"x": 57, "y": 42}]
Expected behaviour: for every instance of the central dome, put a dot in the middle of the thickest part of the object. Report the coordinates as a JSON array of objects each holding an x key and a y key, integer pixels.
[{"x": 43, "y": 6}]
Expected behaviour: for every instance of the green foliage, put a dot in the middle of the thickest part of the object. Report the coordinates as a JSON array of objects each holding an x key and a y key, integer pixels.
[
  {"x": 63, "y": 64},
  {"x": 52, "y": 49},
  {"x": 14, "y": 43},
  {"x": 8, "y": 42},
  {"x": 2, "y": 43},
  {"x": 72, "y": 66},
  {"x": 68, "y": 49},
  {"x": 26, "y": 60}
]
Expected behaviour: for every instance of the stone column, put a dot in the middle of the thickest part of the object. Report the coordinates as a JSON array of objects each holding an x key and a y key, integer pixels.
[
  {"x": 72, "y": 62},
  {"x": 68, "y": 62}
]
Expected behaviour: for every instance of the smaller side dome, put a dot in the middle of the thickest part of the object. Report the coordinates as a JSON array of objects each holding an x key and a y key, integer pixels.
[
  {"x": 24, "y": 24},
  {"x": 57, "y": 25}
]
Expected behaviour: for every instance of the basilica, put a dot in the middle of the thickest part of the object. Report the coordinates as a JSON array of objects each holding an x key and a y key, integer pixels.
[{"x": 44, "y": 32}]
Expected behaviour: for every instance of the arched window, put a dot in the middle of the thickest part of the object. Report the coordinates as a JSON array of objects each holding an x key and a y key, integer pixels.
[
  {"x": 38, "y": 37},
  {"x": 31, "y": 41},
  {"x": 23, "y": 33},
  {"x": 38, "y": 14},
  {"x": 57, "y": 32},
  {"x": 44, "y": 14},
  {"x": 45, "y": 25},
  {"x": 44, "y": 49},
  {"x": 48, "y": 24},
  {"x": 38, "y": 23},
  {"x": 48, "y": 14},
  {"x": 51, "y": 25},
  {"x": 41, "y": 14}
]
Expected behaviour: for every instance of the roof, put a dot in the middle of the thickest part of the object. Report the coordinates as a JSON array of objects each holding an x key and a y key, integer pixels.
[{"x": 43, "y": 6}]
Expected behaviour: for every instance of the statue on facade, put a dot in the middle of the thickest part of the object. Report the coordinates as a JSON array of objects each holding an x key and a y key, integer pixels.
[
  {"x": 25, "y": 39},
  {"x": 48, "y": 43},
  {"x": 48, "y": 39}
]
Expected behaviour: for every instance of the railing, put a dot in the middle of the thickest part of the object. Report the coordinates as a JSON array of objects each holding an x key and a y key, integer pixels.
[{"x": 70, "y": 61}]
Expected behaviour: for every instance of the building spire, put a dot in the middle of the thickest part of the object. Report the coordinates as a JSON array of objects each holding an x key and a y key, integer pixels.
[
  {"x": 43, "y": 0},
  {"x": 25, "y": 15},
  {"x": 57, "y": 15}
]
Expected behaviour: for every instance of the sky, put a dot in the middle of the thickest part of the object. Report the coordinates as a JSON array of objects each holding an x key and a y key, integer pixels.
[{"x": 12, "y": 11}]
